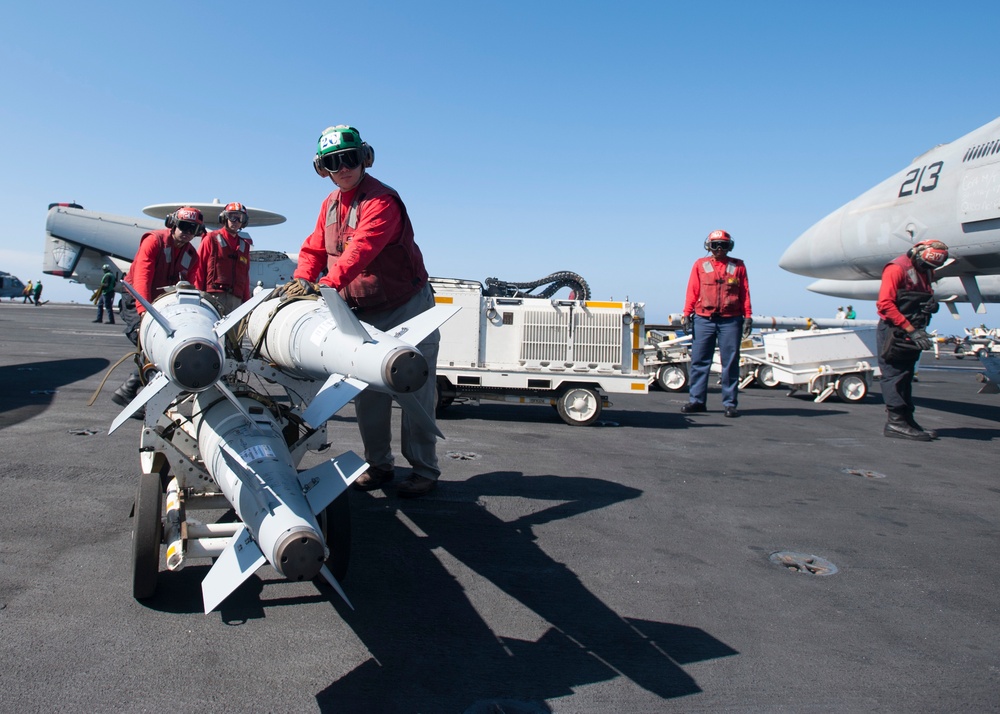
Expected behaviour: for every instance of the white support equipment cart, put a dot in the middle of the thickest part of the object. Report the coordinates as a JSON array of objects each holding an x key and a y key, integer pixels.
[
  {"x": 822, "y": 362},
  {"x": 531, "y": 350}
]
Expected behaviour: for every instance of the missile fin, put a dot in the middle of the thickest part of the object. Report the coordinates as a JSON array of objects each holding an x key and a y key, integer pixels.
[
  {"x": 347, "y": 322},
  {"x": 159, "y": 383},
  {"x": 238, "y": 561},
  {"x": 232, "y": 319},
  {"x": 157, "y": 315},
  {"x": 414, "y": 330},
  {"x": 228, "y": 394},
  {"x": 321, "y": 484},
  {"x": 336, "y": 586},
  {"x": 412, "y": 408},
  {"x": 331, "y": 398}
]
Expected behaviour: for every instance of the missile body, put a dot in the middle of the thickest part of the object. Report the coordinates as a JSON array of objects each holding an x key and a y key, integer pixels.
[
  {"x": 249, "y": 461},
  {"x": 182, "y": 336},
  {"x": 323, "y": 340},
  {"x": 180, "y": 340}
]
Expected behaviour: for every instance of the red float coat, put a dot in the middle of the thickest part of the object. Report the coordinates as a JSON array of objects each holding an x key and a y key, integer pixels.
[
  {"x": 899, "y": 275},
  {"x": 718, "y": 287},
  {"x": 160, "y": 263},
  {"x": 364, "y": 239},
  {"x": 224, "y": 264}
]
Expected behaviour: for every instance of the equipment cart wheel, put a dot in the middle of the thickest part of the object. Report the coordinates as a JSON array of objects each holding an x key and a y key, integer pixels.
[
  {"x": 147, "y": 532},
  {"x": 672, "y": 377},
  {"x": 852, "y": 387},
  {"x": 766, "y": 378},
  {"x": 961, "y": 350},
  {"x": 336, "y": 526},
  {"x": 579, "y": 406}
]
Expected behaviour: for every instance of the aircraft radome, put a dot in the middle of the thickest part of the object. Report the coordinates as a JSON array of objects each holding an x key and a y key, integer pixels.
[
  {"x": 950, "y": 193},
  {"x": 79, "y": 242}
]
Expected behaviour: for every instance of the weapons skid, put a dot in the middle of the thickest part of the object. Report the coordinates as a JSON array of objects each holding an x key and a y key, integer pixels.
[{"x": 222, "y": 444}]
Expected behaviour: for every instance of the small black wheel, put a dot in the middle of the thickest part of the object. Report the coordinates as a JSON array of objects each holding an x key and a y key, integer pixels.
[
  {"x": 579, "y": 406},
  {"x": 336, "y": 524},
  {"x": 147, "y": 532}
]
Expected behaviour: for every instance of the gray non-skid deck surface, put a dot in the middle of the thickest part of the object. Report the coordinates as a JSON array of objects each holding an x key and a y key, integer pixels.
[{"x": 621, "y": 567}]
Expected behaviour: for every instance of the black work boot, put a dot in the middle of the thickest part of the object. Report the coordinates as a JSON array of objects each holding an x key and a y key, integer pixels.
[
  {"x": 913, "y": 422},
  {"x": 126, "y": 393},
  {"x": 897, "y": 427}
]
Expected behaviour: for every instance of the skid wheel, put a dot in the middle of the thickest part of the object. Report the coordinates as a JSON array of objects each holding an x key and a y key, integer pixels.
[
  {"x": 579, "y": 406},
  {"x": 147, "y": 532}
]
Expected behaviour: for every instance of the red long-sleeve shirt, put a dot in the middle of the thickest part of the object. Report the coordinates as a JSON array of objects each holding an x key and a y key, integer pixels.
[
  {"x": 379, "y": 222},
  {"x": 896, "y": 277},
  {"x": 737, "y": 282}
]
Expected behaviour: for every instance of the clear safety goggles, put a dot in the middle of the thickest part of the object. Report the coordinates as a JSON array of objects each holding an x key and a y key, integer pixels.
[{"x": 350, "y": 159}]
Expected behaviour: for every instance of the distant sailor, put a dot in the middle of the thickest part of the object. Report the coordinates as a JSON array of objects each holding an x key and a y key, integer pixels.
[
  {"x": 905, "y": 305},
  {"x": 224, "y": 260},
  {"x": 106, "y": 296},
  {"x": 717, "y": 310},
  {"x": 364, "y": 240}
]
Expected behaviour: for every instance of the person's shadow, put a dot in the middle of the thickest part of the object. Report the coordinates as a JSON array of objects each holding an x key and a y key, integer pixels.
[{"x": 433, "y": 651}]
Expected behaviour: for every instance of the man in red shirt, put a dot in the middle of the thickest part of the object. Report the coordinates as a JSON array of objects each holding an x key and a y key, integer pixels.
[
  {"x": 717, "y": 310},
  {"x": 905, "y": 305},
  {"x": 165, "y": 258},
  {"x": 364, "y": 241},
  {"x": 224, "y": 260}
]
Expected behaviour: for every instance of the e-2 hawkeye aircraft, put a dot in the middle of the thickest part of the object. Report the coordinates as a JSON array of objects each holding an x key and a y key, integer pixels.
[
  {"x": 79, "y": 242},
  {"x": 950, "y": 193}
]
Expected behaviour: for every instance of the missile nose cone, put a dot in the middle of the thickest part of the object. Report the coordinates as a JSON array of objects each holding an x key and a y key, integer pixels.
[
  {"x": 299, "y": 555},
  {"x": 197, "y": 366},
  {"x": 406, "y": 370}
]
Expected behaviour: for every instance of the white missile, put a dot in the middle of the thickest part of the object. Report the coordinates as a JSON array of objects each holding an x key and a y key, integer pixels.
[
  {"x": 183, "y": 336},
  {"x": 323, "y": 340},
  {"x": 243, "y": 450}
]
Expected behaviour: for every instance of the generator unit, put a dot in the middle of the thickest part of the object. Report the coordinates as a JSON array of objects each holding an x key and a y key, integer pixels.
[{"x": 538, "y": 350}]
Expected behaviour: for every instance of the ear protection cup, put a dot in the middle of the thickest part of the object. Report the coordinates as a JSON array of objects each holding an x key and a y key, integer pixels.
[{"x": 171, "y": 220}]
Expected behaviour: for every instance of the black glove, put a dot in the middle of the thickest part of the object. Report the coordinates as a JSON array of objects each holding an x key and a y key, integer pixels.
[
  {"x": 930, "y": 307},
  {"x": 747, "y": 327},
  {"x": 688, "y": 323},
  {"x": 297, "y": 287},
  {"x": 921, "y": 339}
]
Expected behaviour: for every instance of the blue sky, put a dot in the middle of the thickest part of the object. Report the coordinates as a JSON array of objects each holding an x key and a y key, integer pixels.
[{"x": 524, "y": 137}]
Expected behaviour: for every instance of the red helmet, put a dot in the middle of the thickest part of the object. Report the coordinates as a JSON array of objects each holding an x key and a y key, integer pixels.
[
  {"x": 719, "y": 237},
  {"x": 234, "y": 211},
  {"x": 928, "y": 254},
  {"x": 189, "y": 215}
]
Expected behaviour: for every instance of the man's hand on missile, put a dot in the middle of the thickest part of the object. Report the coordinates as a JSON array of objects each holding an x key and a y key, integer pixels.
[
  {"x": 921, "y": 339},
  {"x": 297, "y": 287}
]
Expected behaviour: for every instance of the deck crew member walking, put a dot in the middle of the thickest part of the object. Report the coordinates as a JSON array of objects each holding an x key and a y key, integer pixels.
[{"x": 905, "y": 305}]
